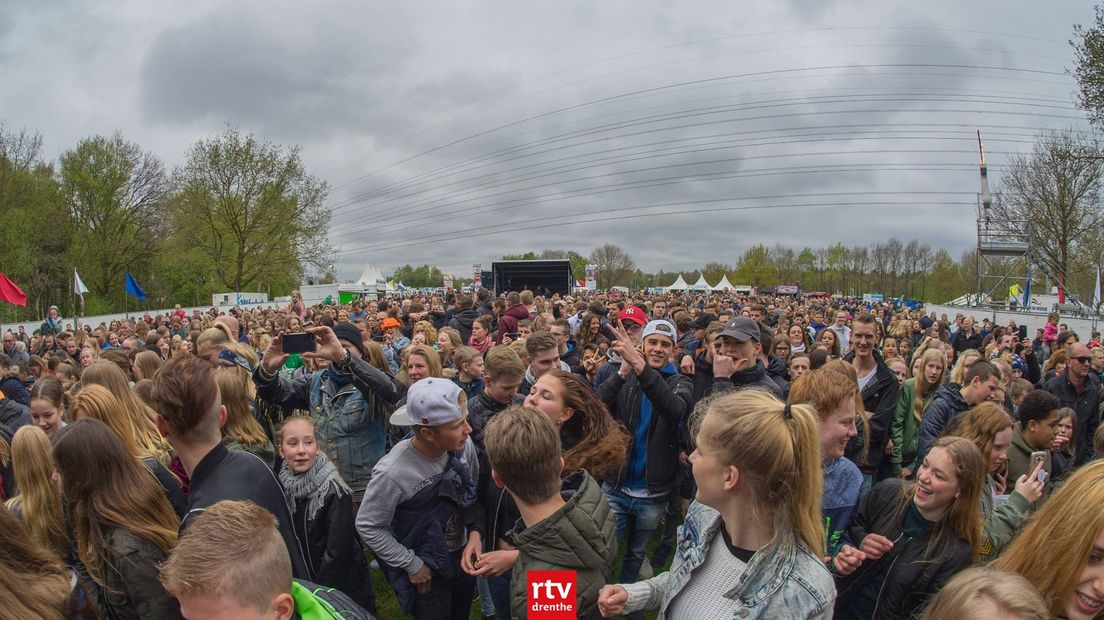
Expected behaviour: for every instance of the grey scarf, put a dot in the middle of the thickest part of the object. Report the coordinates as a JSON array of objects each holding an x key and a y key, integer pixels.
[{"x": 314, "y": 484}]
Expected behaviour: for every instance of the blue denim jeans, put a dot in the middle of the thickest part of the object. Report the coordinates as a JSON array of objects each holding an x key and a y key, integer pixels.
[
  {"x": 499, "y": 587},
  {"x": 486, "y": 603},
  {"x": 637, "y": 520}
]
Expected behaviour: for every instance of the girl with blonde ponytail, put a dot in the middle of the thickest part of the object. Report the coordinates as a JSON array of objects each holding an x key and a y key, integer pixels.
[{"x": 753, "y": 540}]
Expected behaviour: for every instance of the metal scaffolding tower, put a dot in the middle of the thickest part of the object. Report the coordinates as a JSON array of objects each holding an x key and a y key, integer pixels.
[{"x": 1003, "y": 251}]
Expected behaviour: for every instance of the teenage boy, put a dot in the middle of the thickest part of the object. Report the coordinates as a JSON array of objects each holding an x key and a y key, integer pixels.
[
  {"x": 879, "y": 390},
  {"x": 190, "y": 415},
  {"x": 420, "y": 510},
  {"x": 231, "y": 564},
  {"x": 737, "y": 366},
  {"x": 652, "y": 399},
  {"x": 543, "y": 351},
  {"x": 950, "y": 399},
  {"x": 503, "y": 372},
  {"x": 1035, "y": 432},
  {"x": 569, "y": 527},
  {"x": 469, "y": 371},
  {"x": 632, "y": 320}
]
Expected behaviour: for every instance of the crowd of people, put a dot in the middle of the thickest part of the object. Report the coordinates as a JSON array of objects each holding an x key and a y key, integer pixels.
[{"x": 700, "y": 455}]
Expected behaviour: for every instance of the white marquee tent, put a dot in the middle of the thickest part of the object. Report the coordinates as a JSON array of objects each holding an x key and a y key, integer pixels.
[
  {"x": 679, "y": 285},
  {"x": 723, "y": 285},
  {"x": 701, "y": 284},
  {"x": 371, "y": 276}
]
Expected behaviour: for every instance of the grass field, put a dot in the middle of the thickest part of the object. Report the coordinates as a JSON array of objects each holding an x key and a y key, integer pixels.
[{"x": 387, "y": 605}]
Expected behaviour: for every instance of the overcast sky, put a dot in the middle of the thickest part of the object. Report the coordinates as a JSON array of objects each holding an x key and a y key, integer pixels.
[{"x": 452, "y": 133}]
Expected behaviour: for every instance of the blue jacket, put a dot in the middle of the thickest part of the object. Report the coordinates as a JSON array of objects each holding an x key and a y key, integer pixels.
[
  {"x": 782, "y": 580},
  {"x": 945, "y": 405},
  {"x": 351, "y": 416}
]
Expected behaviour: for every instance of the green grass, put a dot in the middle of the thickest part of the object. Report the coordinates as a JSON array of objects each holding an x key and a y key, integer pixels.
[{"x": 387, "y": 606}]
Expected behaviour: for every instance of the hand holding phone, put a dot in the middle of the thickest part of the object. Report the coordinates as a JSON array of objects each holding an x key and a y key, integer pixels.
[{"x": 299, "y": 343}]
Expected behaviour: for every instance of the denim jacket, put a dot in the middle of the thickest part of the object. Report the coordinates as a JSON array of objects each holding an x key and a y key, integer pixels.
[
  {"x": 782, "y": 580},
  {"x": 351, "y": 419}
]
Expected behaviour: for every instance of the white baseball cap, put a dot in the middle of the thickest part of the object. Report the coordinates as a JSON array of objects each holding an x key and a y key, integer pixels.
[{"x": 433, "y": 401}]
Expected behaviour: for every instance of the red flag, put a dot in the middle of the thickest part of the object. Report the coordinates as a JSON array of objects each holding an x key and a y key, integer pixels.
[{"x": 11, "y": 293}]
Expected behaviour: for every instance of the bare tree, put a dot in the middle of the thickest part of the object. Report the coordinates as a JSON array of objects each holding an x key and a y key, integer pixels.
[
  {"x": 1055, "y": 193},
  {"x": 615, "y": 266}
]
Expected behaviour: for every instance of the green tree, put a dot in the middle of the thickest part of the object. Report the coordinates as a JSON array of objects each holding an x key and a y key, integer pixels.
[
  {"x": 422, "y": 276},
  {"x": 115, "y": 194},
  {"x": 754, "y": 267},
  {"x": 37, "y": 233},
  {"x": 252, "y": 210},
  {"x": 1088, "y": 67}
]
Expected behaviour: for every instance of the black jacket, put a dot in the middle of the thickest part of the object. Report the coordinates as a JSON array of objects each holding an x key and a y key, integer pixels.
[
  {"x": 462, "y": 322},
  {"x": 909, "y": 580},
  {"x": 130, "y": 572},
  {"x": 945, "y": 405},
  {"x": 334, "y": 552},
  {"x": 226, "y": 474},
  {"x": 961, "y": 342},
  {"x": 13, "y": 414},
  {"x": 480, "y": 411},
  {"x": 754, "y": 377},
  {"x": 1086, "y": 404},
  {"x": 672, "y": 401},
  {"x": 780, "y": 374},
  {"x": 880, "y": 402}
]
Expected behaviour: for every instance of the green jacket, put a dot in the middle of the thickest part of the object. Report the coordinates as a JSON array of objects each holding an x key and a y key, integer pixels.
[
  {"x": 315, "y": 602},
  {"x": 1019, "y": 458},
  {"x": 580, "y": 536},
  {"x": 1000, "y": 524},
  {"x": 905, "y": 429}
]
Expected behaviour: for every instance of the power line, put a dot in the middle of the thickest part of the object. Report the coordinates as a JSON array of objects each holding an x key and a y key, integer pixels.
[
  {"x": 458, "y": 167},
  {"x": 675, "y": 46},
  {"x": 464, "y": 235},
  {"x": 456, "y": 207},
  {"x": 718, "y": 79}
]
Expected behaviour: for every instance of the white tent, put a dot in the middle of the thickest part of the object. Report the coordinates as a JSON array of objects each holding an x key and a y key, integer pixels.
[
  {"x": 370, "y": 276},
  {"x": 723, "y": 285},
  {"x": 679, "y": 285},
  {"x": 701, "y": 284}
]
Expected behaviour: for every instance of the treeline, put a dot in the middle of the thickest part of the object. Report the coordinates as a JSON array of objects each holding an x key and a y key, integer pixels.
[{"x": 239, "y": 214}]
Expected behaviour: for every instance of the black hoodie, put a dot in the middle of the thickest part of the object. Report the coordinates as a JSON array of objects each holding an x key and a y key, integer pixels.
[
  {"x": 462, "y": 322},
  {"x": 754, "y": 377}
]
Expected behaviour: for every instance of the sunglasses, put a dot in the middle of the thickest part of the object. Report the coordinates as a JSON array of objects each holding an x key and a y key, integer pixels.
[{"x": 1084, "y": 359}]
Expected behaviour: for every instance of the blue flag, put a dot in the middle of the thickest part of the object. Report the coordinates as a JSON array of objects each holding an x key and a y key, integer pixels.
[{"x": 133, "y": 289}]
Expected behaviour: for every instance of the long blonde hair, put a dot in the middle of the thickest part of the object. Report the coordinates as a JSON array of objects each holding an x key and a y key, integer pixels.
[
  {"x": 146, "y": 363},
  {"x": 963, "y": 518},
  {"x": 142, "y": 417},
  {"x": 964, "y": 361},
  {"x": 1054, "y": 547},
  {"x": 922, "y": 391},
  {"x": 240, "y": 423},
  {"x": 975, "y": 591},
  {"x": 97, "y": 402},
  {"x": 776, "y": 448},
  {"x": 39, "y": 500}
]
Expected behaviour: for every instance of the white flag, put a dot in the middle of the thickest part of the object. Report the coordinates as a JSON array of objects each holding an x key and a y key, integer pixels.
[
  {"x": 1096, "y": 291},
  {"x": 78, "y": 286}
]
